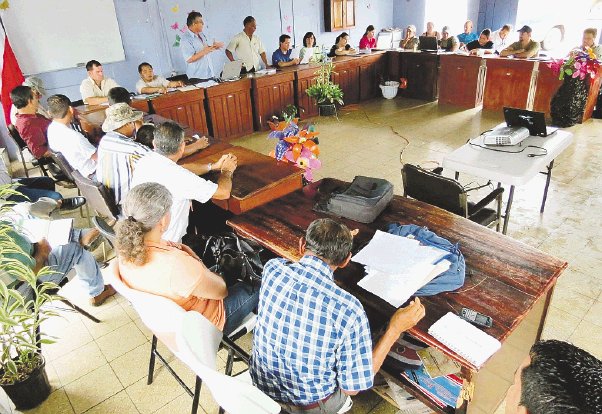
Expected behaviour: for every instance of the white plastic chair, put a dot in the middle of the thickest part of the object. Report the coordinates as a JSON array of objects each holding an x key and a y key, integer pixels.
[{"x": 235, "y": 395}]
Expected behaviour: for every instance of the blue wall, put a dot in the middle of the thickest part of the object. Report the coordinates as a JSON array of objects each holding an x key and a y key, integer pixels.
[{"x": 496, "y": 13}]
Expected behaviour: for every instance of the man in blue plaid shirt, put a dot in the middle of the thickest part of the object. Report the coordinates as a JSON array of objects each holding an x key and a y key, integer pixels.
[{"x": 312, "y": 346}]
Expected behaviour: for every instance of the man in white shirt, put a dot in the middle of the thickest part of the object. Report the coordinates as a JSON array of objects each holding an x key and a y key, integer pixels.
[
  {"x": 151, "y": 83},
  {"x": 95, "y": 88},
  {"x": 76, "y": 149},
  {"x": 196, "y": 49},
  {"x": 501, "y": 38},
  {"x": 161, "y": 167},
  {"x": 248, "y": 47}
]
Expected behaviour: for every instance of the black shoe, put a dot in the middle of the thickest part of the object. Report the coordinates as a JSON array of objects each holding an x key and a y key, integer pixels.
[{"x": 72, "y": 203}]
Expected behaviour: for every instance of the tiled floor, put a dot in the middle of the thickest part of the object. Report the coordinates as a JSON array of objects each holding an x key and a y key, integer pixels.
[{"x": 101, "y": 368}]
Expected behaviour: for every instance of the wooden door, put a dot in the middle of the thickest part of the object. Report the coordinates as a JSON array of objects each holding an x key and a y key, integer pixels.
[
  {"x": 271, "y": 95},
  {"x": 186, "y": 108},
  {"x": 508, "y": 83},
  {"x": 230, "y": 109},
  {"x": 339, "y": 14}
]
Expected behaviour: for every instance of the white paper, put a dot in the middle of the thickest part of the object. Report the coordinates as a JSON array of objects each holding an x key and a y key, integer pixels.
[
  {"x": 467, "y": 340},
  {"x": 295, "y": 53},
  {"x": 56, "y": 232}
]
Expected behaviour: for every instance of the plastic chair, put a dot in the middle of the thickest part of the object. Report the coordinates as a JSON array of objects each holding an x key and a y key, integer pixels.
[
  {"x": 433, "y": 188},
  {"x": 197, "y": 340},
  {"x": 97, "y": 196}
]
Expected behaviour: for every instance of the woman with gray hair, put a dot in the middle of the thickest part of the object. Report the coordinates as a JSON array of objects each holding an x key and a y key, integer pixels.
[
  {"x": 37, "y": 86},
  {"x": 172, "y": 270},
  {"x": 410, "y": 42}
]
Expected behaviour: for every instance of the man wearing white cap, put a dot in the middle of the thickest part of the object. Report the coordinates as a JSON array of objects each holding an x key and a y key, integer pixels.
[
  {"x": 37, "y": 86},
  {"x": 118, "y": 152}
]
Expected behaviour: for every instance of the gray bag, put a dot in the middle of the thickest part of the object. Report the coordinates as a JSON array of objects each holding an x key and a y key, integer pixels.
[{"x": 362, "y": 201}]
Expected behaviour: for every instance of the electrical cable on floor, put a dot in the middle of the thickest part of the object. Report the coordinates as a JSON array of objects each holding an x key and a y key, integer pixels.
[{"x": 407, "y": 141}]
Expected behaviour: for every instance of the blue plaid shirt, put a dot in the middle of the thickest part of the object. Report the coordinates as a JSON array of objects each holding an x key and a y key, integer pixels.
[{"x": 311, "y": 336}]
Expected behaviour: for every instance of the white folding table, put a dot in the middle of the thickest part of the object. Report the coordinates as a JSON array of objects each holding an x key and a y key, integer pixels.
[{"x": 514, "y": 165}]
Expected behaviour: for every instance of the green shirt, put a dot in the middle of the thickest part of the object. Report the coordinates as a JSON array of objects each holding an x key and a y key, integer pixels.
[{"x": 532, "y": 47}]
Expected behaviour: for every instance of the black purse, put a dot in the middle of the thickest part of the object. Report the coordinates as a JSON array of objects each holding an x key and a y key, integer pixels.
[{"x": 235, "y": 258}]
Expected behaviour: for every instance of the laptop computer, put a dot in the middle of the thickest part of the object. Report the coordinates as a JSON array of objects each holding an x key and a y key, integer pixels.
[
  {"x": 428, "y": 43},
  {"x": 231, "y": 70},
  {"x": 535, "y": 122}
]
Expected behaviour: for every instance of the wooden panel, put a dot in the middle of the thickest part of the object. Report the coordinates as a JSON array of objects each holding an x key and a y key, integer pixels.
[
  {"x": 271, "y": 94},
  {"x": 304, "y": 78},
  {"x": 371, "y": 74},
  {"x": 140, "y": 104},
  {"x": 461, "y": 80},
  {"x": 257, "y": 180},
  {"x": 394, "y": 65},
  {"x": 186, "y": 108},
  {"x": 346, "y": 74},
  {"x": 230, "y": 109},
  {"x": 339, "y": 14},
  {"x": 422, "y": 72},
  {"x": 508, "y": 83}
]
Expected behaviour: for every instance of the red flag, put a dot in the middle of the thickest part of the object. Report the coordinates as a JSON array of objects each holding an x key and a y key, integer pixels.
[{"x": 11, "y": 78}]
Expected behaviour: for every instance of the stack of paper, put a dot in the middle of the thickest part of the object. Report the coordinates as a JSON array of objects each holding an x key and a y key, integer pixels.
[
  {"x": 398, "y": 266},
  {"x": 57, "y": 232}
]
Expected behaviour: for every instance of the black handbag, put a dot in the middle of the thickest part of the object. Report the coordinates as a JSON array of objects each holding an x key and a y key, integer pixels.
[{"x": 235, "y": 258}]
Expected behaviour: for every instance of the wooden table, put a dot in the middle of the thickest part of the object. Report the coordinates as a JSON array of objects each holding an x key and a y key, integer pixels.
[
  {"x": 509, "y": 83},
  {"x": 421, "y": 71},
  {"x": 271, "y": 95},
  {"x": 230, "y": 109},
  {"x": 257, "y": 180},
  {"x": 186, "y": 108},
  {"x": 506, "y": 279},
  {"x": 462, "y": 80}
]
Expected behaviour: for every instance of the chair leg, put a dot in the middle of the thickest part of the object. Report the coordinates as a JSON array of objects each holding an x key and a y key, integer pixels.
[
  {"x": 151, "y": 363},
  {"x": 229, "y": 362},
  {"x": 197, "y": 395},
  {"x": 24, "y": 165},
  {"x": 80, "y": 310}
]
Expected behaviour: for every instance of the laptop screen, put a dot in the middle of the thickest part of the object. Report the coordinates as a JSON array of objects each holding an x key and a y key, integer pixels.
[{"x": 535, "y": 122}]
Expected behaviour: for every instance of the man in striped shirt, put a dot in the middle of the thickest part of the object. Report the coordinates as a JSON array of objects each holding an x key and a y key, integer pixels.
[
  {"x": 312, "y": 346},
  {"x": 117, "y": 151}
]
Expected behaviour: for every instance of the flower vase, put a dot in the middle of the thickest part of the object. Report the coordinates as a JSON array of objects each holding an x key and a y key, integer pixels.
[{"x": 568, "y": 104}]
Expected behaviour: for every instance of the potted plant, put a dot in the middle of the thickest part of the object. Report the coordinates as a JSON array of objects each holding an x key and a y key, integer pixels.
[
  {"x": 324, "y": 91},
  {"x": 22, "y": 366}
]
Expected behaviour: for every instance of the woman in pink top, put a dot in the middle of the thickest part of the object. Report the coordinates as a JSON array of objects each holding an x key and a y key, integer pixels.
[
  {"x": 172, "y": 270},
  {"x": 368, "y": 41}
]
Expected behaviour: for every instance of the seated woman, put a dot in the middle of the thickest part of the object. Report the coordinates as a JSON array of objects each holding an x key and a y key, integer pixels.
[
  {"x": 448, "y": 42},
  {"x": 431, "y": 32},
  {"x": 411, "y": 41},
  {"x": 368, "y": 41},
  {"x": 341, "y": 46},
  {"x": 482, "y": 42},
  {"x": 172, "y": 270},
  {"x": 310, "y": 46}
]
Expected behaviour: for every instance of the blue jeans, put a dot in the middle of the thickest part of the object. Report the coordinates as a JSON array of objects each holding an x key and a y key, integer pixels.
[
  {"x": 242, "y": 299},
  {"x": 34, "y": 188}
]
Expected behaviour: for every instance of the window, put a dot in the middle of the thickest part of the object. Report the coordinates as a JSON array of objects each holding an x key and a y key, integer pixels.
[{"x": 447, "y": 13}]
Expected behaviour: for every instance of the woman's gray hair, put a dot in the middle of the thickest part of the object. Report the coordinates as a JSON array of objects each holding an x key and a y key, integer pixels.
[{"x": 329, "y": 240}]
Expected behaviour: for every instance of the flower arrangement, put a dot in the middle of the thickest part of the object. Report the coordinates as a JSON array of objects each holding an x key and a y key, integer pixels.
[
  {"x": 579, "y": 65},
  {"x": 297, "y": 145}
]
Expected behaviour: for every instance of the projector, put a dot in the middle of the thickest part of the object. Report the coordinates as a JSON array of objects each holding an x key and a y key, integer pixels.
[{"x": 505, "y": 136}]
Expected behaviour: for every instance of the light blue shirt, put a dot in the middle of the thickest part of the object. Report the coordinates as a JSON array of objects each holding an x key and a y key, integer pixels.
[{"x": 190, "y": 45}]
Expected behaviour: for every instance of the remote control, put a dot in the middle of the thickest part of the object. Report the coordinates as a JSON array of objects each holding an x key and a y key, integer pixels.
[{"x": 476, "y": 318}]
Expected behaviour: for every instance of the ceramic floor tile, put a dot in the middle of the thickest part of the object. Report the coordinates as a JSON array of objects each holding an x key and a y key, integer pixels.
[
  {"x": 120, "y": 341},
  {"x": 559, "y": 324},
  {"x": 587, "y": 336},
  {"x": 119, "y": 403},
  {"x": 93, "y": 388},
  {"x": 572, "y": 302},
  {"x": 111, "y": 318},
  {"x": 133, "y": 365},
  {"x": 70, "y": 333},
  {"x": 180, "y": 405},
  {"x": 57, "y": 402},
  {"x": 149, "y": 398},
  {"x": 79, "y": 362}
]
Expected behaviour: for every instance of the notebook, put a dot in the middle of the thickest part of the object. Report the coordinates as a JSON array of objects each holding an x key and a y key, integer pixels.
[
  {"x": 465, "y": 339},
  {"x": 57, "y": 232}
]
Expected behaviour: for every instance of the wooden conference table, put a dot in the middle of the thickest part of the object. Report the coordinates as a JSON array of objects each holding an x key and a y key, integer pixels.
[
  {"x": 506, "y": 279},
  {"x": 518, "y": 168}
]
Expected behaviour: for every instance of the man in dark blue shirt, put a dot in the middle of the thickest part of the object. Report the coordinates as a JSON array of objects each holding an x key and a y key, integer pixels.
[{"x": 282, "y": 56}]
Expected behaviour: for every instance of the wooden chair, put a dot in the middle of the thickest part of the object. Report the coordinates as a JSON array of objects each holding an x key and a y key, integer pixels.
[{"x": 433, "y": 188}]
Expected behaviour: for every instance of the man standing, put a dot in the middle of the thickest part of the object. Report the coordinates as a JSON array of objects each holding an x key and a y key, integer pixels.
[
  {"x": 196, "y": 48},
  {"x": 247, "y": 46},
  {"x": 467, "y": 37},
  {"x": 31, "y": 126},
  {"x": 95, "y": 88},
  {"x": 77, "y": 150},
  {"x": 525, "y": 47},
  {"x": 118, "y": 152},
  {"x": 161, "y": 167},
  {"x": 312, "y": 346},
  {"x": 282, "y": 56}
]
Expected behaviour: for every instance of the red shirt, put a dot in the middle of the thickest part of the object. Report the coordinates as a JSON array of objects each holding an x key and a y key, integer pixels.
[
  {"x": 366, "y": 43},
  {"x": 32, "y": 129}
]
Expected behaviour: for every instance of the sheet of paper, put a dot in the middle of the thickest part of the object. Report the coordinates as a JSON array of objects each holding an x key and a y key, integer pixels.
[
  {"x": 436, "y": 363},
  {"x": 295, "y": 53},
  {"x": 57, "y": 232}
]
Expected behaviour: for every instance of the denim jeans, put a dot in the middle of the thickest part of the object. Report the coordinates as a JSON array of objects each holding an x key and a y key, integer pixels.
[
  {"x": 242, "y": 299},
  {"x": 34, "y": 188}
]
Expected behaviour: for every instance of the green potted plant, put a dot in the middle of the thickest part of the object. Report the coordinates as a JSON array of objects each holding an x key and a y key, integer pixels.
[
  {"x": 324, "y": 91},
  {"x": 22, "y": 366}
]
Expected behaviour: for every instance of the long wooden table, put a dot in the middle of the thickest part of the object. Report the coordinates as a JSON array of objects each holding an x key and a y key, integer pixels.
[
  {"x": 257, "y": 180},
  {"x": 462, "y": 80},
  {"x": 506, "y": 279}
]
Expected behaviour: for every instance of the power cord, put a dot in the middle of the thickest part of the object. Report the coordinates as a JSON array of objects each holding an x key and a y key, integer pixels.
[{"x": 543, "y": 153}]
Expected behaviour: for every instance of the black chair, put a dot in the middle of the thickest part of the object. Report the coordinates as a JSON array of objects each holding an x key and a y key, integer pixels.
[
  {"x": 446, "y": 193},
  {"x": 15, "y": 137}
]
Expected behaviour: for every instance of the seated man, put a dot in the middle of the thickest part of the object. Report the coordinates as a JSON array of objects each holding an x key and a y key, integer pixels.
[
  {"x": 588, "y": 42},
  {"x": 146, "y": 135},
  {"x": 482, "y": 42},
  {"x": 119, "y": 94},
  {"x": 282, "y": 56},
  {"x": 525, "y": 47},
  {"x": 37, "y": 86},
  {"x": 467, "y": 36},
  {"x": 31, "y": 126},
  {"x": 312, "y": 346},
  {"x": 95, "y": 88},
  {"x": 151, "y": 83},
  {"x": 448, "y": 42},
  {"x": 117, "y": 151},
  {"x": 556, "y": 378},
  {"x": 161, "y": 167},
  {"x": 77, "y": 150},
  {"x": 501, "y": 38}
]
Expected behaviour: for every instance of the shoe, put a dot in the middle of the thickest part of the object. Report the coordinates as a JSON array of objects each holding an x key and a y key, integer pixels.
[
  {"x": 72, "y": 203},
  {"x": 104, "y": 295}
]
